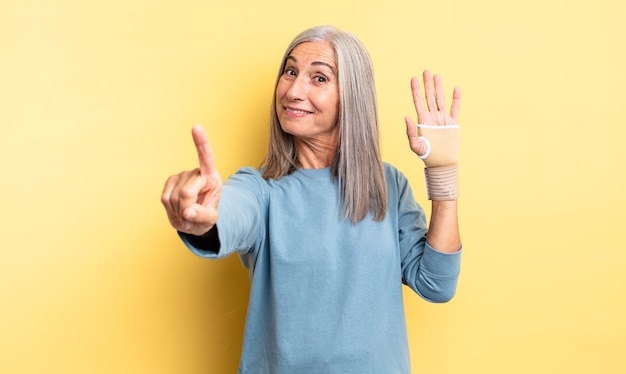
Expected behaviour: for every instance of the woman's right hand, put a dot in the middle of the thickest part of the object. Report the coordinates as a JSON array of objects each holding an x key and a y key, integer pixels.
[{"x": 191, "y": 197}]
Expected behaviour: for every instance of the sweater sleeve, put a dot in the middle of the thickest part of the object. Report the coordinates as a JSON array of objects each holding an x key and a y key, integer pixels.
[
  {"x": 241, "y": 210},
  {"x": 207, "y": 242},
  {"x": 430, "y": 273}
]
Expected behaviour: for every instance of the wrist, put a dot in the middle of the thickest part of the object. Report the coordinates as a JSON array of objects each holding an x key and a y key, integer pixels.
[{"x": 442, "y": 183}]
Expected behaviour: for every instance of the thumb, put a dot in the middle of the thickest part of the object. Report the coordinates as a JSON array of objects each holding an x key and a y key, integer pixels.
[
  {"x": 411, "y": 128},
  {"x": 416, "y": 142},
  {"x": 201, "y": 215}
]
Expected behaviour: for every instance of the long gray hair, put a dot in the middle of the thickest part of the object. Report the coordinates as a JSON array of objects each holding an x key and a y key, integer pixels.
[{"x": 357, "y": 163}]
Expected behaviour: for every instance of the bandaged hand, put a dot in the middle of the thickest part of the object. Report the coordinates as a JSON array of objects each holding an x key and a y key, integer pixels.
[{"x": 436, "y": 138}]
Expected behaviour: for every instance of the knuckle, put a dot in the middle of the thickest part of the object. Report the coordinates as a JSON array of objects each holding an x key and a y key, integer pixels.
[
  {"x": 165, "y": 197},
  {"x": 188, "y": 192}
]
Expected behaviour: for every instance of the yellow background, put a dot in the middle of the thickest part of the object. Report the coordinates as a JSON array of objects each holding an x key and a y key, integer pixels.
[{"x": 97, "y": 99}]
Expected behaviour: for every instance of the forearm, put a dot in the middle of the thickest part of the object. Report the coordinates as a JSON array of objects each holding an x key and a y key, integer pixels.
[{"x": 443, "y": 231}]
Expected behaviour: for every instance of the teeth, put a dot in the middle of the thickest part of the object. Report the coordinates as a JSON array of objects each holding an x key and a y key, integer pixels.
[{"x": 297, "y": 111}]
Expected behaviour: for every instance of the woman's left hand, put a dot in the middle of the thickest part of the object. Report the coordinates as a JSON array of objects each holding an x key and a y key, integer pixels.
[{"x": 434, "y": 112}]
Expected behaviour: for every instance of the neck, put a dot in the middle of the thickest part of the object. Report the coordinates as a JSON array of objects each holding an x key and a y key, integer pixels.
[{"x": 315, "y": 155}]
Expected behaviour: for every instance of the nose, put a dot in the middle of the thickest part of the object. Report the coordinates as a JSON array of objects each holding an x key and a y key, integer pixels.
[{"x": 298, "y": 89}]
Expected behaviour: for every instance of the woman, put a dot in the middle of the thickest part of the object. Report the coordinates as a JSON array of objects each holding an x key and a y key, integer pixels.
[{"x": 327, "y": 230}]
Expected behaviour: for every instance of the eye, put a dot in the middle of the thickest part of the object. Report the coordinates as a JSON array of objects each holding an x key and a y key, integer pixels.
[
  {"x": 320, "y": 79},
  {"x": 290, "y": 71}
]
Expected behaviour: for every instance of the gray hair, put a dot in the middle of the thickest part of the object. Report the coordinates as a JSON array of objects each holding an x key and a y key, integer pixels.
[{"x": 357, "y": 163}]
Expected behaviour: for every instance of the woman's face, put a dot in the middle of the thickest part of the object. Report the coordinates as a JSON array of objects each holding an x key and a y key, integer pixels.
[{"x": 307, "y": 94}]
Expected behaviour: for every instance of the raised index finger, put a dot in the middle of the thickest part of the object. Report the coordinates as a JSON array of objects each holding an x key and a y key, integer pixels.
[{"x": 205, "y": 153}]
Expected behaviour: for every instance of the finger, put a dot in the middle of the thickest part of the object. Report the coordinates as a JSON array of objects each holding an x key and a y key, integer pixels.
[
  {"x": 188, "y": 191},
  {"x": 456, "y": 104},
  {"x": 205, "y": 152},
  {"x": 167, "y": 190},
  {"x": 429, "y": 90},
  {"x": 440, "y": 95},
  {"x": 418, "y": 100},
  {"x": 174, "y": 218}
]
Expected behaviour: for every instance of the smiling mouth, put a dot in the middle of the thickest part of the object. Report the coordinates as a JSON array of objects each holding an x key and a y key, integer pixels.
[{"x": 297, "y": 111}]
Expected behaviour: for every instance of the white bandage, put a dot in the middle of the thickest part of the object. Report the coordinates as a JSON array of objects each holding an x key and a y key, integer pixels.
[{"x": 441, "y": 159}]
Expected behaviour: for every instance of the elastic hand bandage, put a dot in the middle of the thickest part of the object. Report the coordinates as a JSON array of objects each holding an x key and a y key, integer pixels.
[{"x": 441, "y": 159}]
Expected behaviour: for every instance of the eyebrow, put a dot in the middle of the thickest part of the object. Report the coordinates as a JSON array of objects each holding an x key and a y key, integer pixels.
[{"x": 293, "y": 58}]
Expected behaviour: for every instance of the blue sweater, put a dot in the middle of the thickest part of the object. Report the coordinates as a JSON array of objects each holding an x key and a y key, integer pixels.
[{"x": 326, "y": 295}]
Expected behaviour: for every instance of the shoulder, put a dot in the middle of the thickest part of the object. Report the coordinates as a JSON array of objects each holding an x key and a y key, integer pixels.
[
  {"x": 248, "y": 172},
  {"x": 398, "y": 186},
  {"x": 247, "y": 178},
  {"x": 390, "y": 169},
  {"x": 393, "y": 175}
]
